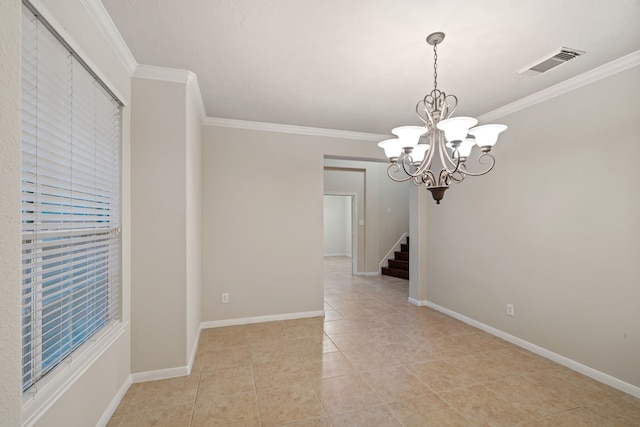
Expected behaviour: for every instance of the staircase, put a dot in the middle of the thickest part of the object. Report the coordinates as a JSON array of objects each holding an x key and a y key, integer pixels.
[{"x": 399, "y": 266}]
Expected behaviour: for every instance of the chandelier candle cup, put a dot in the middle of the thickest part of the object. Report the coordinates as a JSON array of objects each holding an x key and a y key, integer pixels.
[
  {"x": 487, "y": 135},
  {"x": 417, "y": 154},
  {"x": 409, "y": 135},
  {"x": 456, "y": 129},
  {"x": 464, "y": 147},
  {"x": 392, "y": 148},
  {"x": 447, "y": 140}
]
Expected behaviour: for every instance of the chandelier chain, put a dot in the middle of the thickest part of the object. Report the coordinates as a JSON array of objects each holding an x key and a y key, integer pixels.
[{"x": 435, "y": 66}]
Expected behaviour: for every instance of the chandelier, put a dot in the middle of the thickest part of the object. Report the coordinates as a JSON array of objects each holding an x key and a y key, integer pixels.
[{"x": 450, "y": 139}]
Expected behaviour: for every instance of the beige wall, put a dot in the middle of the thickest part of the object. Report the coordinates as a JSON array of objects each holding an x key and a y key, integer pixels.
[
  {"x": 10, "y": 249},
  {"x": 262, "y": 229},
  {"x": 554, "y": 230},
  {"x": 166, "y": 224},
  {"x": 194, "y": 116},
  {"x": 110, "y": 369}
]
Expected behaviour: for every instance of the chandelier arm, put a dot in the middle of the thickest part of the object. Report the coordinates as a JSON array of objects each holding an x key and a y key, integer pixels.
[
  {"x": 445, "y": 158},
  {"x": 450, "y": 158},
  {"x": 444, "y": 178},
  {"x": 429, "y": 179},
  {"x": 453, "y": 109},
  {"x": 406, "y": 166},
  {"x": 397, "y": 169},
  {"x": 425, "y": 165},
  {"x": 492, "y": 163},
  {"x": 418, "y": 112},
  {"x": 462, "y": 173}
]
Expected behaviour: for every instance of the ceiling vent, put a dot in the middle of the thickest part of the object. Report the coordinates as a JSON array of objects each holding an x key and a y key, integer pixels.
[{"x": 552, "y": 60}]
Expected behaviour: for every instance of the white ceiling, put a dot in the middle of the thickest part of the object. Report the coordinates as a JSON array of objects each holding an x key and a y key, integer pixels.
[{"x": 362, "y": 65}]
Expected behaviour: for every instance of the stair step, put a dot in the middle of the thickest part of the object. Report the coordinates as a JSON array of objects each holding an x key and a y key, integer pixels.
[
  {"x": 399, "y": 264},
  {"x": 404, "y": 247},
  {"x": 395, "y": 273},
  {"x": 402, "y": 256}
]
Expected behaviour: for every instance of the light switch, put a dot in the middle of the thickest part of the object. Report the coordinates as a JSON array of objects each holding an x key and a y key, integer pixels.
[
  {"x": 388, "y": 210},
  {"x": 361, "y": 222}
]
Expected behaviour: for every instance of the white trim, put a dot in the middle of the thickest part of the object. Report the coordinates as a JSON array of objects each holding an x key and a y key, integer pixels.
[
  {"x": 299, "y": 130},
  {"x": 260, "y": 319},
  {"x": 419, "y": 303},
  {"x": 111, "y": 409},
  {"x": 388, "y": 255},
  {"x": 562, "y": 360},
  {"x": 194, "y": 350},
  {"x": 51, "y": 388},
  {"x": 160, "y": 374},
  {"x": 347, "y": 255},
  {"x": 194, "y": 87},
  {"x": 110, "y": 32},
  {"x": 173, "y": 75},
  {"x": 592, "y": 76},
  {"x": 367, "y": 273},
  {"x": 163, "y": 74}
]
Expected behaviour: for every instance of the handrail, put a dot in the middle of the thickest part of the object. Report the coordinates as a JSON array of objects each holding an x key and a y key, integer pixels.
[{"x": 387, "y": 256}]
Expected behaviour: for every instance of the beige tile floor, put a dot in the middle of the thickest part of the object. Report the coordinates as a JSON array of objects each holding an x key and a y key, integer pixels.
[{"x": 373, "y": 361}]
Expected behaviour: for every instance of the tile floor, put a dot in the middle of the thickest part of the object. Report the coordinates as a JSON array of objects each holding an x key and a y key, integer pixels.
[{"x": 373, "y": 361}]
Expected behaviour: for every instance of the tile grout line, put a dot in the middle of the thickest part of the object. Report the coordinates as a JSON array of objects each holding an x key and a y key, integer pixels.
[{"x": 195, "y": 399}]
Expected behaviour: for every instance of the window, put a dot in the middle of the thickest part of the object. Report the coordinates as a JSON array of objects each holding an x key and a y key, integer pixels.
[{"x": 71, "y": 137}]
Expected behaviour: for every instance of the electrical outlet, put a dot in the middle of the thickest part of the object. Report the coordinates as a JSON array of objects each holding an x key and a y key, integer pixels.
[
  {"x": 225, "y": 298},
  {"x": 510, "y": 310}
]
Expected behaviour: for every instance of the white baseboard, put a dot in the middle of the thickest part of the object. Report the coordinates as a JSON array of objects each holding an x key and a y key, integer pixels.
[
  {"x": 367, "y": 273},
  {"x": 104, "y": 420},
  {"x": 260, "y": 319},
  {"x": 562, "y": 360},
  {"x": 160, "y": 374},
  {"x": 163, "y": 374},
  {"x": 419, "y": 303},
  {"x": 347, "y": 255}
]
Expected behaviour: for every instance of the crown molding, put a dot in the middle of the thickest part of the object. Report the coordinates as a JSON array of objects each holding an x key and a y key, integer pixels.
[
  {"x": 621, "y": 64},
  {"x": 104, "y": 22},
  {"x": 163, "y": 74},
  {"x": 194, "y": 87},
  {"x": 298, "y": 130},
  {"x": 172, "y": 75}
]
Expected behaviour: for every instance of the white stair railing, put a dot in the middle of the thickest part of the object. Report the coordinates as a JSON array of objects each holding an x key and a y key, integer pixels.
[{"x": 393, "y": 249}]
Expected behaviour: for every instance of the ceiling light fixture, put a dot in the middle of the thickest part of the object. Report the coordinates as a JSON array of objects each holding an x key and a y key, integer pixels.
[{"x": 450, "y": 138}]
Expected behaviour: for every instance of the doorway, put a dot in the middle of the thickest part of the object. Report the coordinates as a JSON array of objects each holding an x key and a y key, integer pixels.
[{"x": 340, "y": 227}]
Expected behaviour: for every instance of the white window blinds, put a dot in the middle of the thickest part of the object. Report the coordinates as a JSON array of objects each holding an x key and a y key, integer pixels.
[{"x": 70, "y": 202}]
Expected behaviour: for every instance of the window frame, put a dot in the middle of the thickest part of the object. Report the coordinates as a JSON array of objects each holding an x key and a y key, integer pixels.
[{"x": 39, "y": 397}]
